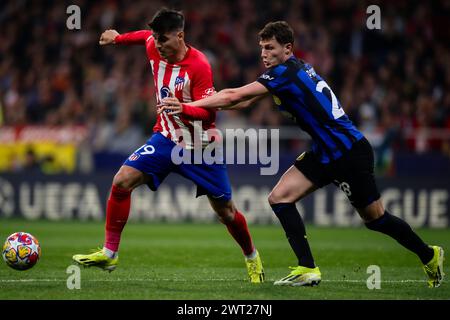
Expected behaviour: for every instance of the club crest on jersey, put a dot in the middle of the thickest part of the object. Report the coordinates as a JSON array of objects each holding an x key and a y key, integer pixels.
[
  {"x": 134, "y": 157},
  {"x": 179, "y": 83}
]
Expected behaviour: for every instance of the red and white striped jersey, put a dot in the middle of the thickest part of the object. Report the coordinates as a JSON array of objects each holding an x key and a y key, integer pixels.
[{"x": 188, "y": 80}]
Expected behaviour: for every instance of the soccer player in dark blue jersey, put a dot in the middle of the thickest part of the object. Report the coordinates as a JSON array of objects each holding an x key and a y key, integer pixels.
[{"x": 340, "y": 154}]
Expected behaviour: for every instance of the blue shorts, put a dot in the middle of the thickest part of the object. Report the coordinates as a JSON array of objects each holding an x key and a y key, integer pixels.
[{"x": 154, "y": 159}]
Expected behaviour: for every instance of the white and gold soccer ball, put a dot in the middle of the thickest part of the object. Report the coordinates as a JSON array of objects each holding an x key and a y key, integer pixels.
[{"x": 21, "y": 251}]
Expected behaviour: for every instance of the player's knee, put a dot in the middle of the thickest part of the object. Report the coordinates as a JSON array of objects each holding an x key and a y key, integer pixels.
[
  {"x": 373, "y": 211},
  {"x": 225, "y": 219},
  {"x": 276, "y": 197},
  {"x": 226, "y": 213},
  {"x": 226, "y": 216},
  {"x": 121, "y": 181},
  {"x": 272, "y": 198},
  {"x": 126, "y": 180}
]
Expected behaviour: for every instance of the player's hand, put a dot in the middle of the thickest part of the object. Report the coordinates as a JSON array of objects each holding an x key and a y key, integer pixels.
[
  {"x": 171, "y": 104},
  {"x": 108, "y": 37}
]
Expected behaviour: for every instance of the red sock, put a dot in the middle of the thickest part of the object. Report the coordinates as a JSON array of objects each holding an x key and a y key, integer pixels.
[
  {"x": 239, "y": 230},
  {"x": 117, "y": 211}
]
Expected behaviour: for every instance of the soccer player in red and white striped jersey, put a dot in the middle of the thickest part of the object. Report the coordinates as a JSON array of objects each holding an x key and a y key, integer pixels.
[
  {"x": 180, "y": 71},
  {"x": 187, "y": 76}
]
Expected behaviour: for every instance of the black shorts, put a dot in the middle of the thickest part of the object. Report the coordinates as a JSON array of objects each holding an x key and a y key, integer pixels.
[{"x": 353, "y": 173}]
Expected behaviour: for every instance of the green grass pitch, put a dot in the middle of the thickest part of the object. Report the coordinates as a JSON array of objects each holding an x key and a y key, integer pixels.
[{"x": 201, "y": 261}]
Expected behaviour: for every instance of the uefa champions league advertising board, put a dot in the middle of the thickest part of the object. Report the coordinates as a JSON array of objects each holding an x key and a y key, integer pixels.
[{"x": 421, "y": 202}]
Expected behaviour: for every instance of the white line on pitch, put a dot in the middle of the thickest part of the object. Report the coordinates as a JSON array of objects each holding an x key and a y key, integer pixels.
[{"x": 190, "y": 280}]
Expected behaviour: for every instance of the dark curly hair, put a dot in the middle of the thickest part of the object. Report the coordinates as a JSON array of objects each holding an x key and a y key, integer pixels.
[{"x": 280, "y": 30}]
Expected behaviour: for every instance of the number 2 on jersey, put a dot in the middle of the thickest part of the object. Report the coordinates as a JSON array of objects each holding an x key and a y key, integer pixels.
[{"x": 336, "y": 110}]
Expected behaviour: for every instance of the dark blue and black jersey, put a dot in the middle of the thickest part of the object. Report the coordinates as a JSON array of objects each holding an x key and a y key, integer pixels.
[{"x": 303, "y": 95}]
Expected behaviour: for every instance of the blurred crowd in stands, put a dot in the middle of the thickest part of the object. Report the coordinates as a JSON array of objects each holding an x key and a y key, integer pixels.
[{"x": 394, "y": 83}]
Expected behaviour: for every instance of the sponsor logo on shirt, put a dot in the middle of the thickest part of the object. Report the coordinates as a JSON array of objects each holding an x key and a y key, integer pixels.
[
  {"x": 267, "y": 77},
  {"x": 164, "y": 92},
  {"x": 311, "y": 72},
  {"x": 208, "y": 92}
]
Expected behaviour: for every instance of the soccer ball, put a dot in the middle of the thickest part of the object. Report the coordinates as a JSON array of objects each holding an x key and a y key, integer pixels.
[{"x": 21, "y": 251}]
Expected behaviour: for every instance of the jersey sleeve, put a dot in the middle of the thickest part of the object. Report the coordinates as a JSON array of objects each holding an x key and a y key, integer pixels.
[
  {"x": 202, "y": 87},
  {"x": 274, "y": 78},
  {"x": 202, "y": 82},
  {"x": 197, "y": 113},
  {"x": 135, "y": 37}
]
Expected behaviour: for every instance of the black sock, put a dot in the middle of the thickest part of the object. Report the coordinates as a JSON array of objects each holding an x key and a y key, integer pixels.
[
  {"x": 402, "y": 232},
  {"x": 295, "y": 232}
]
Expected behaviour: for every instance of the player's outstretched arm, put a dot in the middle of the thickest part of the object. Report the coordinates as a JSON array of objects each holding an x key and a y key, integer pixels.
[
  {"x": 224, "y": 99},
  {"x": 174, "y": 106},
  {"x": 245, "y": 104},
  {"x": 108, "y": 37},
  {"x": 135, "y": 37}
]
